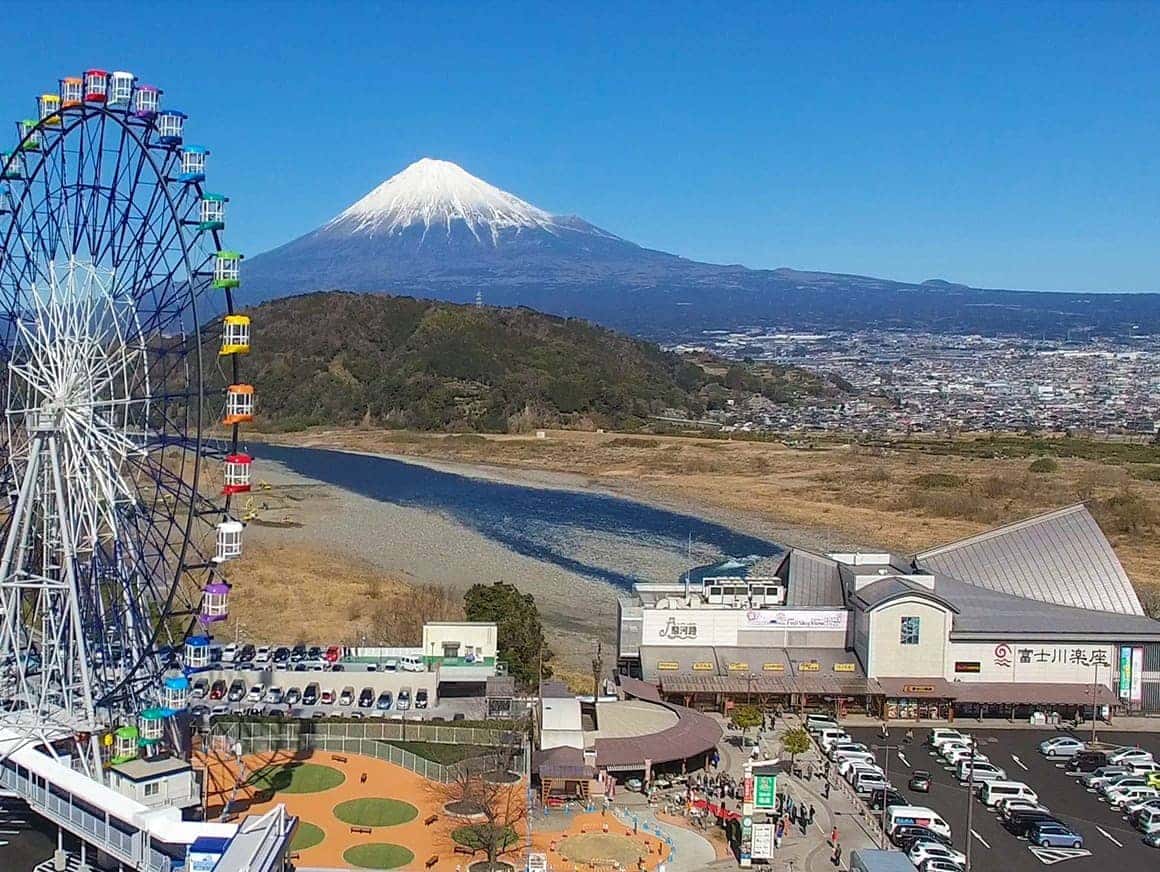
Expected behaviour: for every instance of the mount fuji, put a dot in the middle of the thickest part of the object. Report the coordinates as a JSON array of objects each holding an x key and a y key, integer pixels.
[{"x": 434, "y": 230}]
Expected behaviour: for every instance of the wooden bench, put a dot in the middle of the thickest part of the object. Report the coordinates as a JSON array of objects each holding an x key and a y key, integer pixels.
[
  {"x": 427, "y": 822},
  {"x": 338, "y": 757},
  {"x": 463, "y": 849},
  {"x": 360, "y": 829},
  {"x": 431, "y": 861}
]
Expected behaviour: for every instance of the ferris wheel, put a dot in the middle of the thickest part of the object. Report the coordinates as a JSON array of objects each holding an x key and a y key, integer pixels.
[{"x": 119, "y": 449}]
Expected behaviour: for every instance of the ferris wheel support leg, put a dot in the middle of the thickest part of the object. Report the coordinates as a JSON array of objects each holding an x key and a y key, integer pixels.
[{"x": 77, "y": 656}]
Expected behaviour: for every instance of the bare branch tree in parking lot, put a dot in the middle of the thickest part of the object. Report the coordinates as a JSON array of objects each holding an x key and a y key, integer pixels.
[{"x": 488, "y": 788}]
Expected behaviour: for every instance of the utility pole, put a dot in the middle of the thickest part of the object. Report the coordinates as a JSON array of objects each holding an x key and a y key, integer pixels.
[
  {"x": 886, "y": 774},
  {"x": 1095, "y": 694},
  {"x": 970, "y": 803}
]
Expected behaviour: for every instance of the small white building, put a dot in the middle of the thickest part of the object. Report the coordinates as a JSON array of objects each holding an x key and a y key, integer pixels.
[
  {"x": 461, "y": 651},
  {"x": 160, "y": 782},
  {"x": 561, "y": 725}
]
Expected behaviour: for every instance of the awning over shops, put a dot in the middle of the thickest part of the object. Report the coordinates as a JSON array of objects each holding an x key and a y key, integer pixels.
[
  {"x": 823, "y": 684},
  {"x": 1004, "y": 693},
  {"x": 918, "y": 688}
]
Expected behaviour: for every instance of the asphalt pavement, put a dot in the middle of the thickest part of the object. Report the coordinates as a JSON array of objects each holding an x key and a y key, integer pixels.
[{"x": 1111, "y": 844}]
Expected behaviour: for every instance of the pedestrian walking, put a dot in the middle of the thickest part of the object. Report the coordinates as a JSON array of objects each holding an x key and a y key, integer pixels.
[
  {"x": 779, "y": 833},
  {"x": 362, "y": 778},
  {"x": 811, "y": 814},
  {"x": 826, "y": 790},
  {"x": 837, "y": 858},
  {"x": 834, "y": 836}
]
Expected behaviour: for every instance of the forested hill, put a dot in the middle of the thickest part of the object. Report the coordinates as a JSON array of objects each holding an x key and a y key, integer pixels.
[{"x": 339, "y": 358}]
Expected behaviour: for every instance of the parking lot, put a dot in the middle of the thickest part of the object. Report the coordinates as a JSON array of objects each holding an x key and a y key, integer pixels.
[
  {"x": 447, "y": 709},
  {"x": 1110, "y": 842}
]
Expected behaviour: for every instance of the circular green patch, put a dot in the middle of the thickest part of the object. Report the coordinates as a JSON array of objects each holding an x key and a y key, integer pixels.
[
  {"x": 478, "y": 836},
  {"x": 375, "y": 812},
  {"x": 306, "y": 836},
  {"x": 296, "y": 778},
  {"x": 380, "y": 855}
]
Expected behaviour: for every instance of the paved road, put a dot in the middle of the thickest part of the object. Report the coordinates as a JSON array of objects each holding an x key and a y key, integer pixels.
[{"x": 1113, "y": 844}]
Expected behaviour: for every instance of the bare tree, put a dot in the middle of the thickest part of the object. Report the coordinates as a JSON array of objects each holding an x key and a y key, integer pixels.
[{"x": 490, "y": 790}]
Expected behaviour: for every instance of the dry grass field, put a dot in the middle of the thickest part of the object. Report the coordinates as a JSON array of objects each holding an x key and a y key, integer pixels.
[{"x": 903, "y": 497}]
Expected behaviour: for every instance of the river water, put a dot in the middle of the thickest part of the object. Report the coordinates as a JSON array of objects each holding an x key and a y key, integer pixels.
[{"x": 595, "y": 535}]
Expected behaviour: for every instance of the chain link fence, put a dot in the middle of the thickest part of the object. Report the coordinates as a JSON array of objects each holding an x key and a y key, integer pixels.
[{"x": 371, "y": 739}]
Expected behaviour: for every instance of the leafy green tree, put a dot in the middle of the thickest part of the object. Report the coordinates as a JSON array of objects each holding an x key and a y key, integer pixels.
[
  {"x": 794, "y": 742},
  {"x": 746, "y": 716},
  {"x": 521, "y": 636}
]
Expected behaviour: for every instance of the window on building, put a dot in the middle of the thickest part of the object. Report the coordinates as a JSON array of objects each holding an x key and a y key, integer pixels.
[
  {"x": 450, "y": 649},
  {"x": 909, "y": 633},
  {"x": 152, "y": 788}
]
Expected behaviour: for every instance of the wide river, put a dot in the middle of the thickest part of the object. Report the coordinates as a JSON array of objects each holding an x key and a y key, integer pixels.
[{"x": 589, "y": 533}]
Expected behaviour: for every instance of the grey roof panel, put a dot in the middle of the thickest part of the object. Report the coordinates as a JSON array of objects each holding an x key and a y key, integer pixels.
[
  {"x": 1061, "y": 557},
  {"x": 812, "y": 580}
]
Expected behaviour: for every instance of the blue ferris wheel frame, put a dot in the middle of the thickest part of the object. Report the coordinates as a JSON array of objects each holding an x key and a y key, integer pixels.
[{"x": 98, "y": 183}]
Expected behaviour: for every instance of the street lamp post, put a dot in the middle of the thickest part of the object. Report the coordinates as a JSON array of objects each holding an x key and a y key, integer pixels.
[
  {"x": 970, "y": 804},
  {"x": 1095, "y": 695},
  {"x": 886, "y": 774}
]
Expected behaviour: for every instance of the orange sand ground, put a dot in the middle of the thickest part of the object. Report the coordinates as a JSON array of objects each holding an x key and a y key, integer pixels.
[{"x": 389, "y": 781}]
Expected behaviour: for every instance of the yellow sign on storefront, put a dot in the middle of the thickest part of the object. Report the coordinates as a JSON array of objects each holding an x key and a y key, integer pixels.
[
  {"x": 773, "y": 667},
  {"x": 808, "y": 667},
  {"x": 738, "y": 667},
  {"x": 844, "y": 667},
  {"x": 668, "y": 666},
  {"x": 702, "y": 667}
]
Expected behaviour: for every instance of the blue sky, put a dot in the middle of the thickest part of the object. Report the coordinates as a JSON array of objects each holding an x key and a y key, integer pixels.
[{"x": 1003, "y": 145}]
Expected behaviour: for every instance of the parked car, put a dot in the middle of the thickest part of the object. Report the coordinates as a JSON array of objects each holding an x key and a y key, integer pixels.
[
  {"x": 905, "y": 836},
  {"x": 391, "y": 664},
  {"x": 293, "y": 696},
  {"x": 384, "y": 701},
  {"x": 919, "y": 781},
  {"x": 327, "y": 697},
  {"x": 949, "y": 749},
  {"x": 274, "y": 696},
  {"x": 347, "y": 696},
  {"x": 229, "y": 653},
  {"x": 980, "y": 771},
  {"x": 1141, "y": 805},
  {"x": 421, "y": 698},
  {"x": 247, "y": 652},
  {"x": 1086, "y": 761},
  {"x": 1120, "y": 782},
  {"x": 816, "y": 723},
  {"x": 939, "y": 864},
  {"x": 237, "y": 691},
  {"x": 310, "y": 695},
  {"x": 1097, "y": 778},
  {"x": 297, "y": 653},
  {"x": 1126, "y": 756},
  {"x": 366, "y": 698},
  {"x": 256, "y": 693},
  {"x": 218, "y": 689},
  {"x": 281, "y": 654},
  {"x": 1060, "y": 746},
  {"x": 886, "y": 797},
  {"x": 941, "y": 735},
  {"x": 1152, "y": 840},
  {"x": 1121, "y": 797},
  {"x": 200, "y": 689},
  {"x": 404, "y": 700},
  {"x": 925, "y": 849},
  {"x": 1146, "y": 820},
  {"x": 1021, "y": 821},
  {"x": 333, "y": 654},
  {"x": 838, "y": 747},
  {"x": 1049, "y": 834},
  {"x": 1010, "y": 807},
  {"x": 314, "y": 652}
]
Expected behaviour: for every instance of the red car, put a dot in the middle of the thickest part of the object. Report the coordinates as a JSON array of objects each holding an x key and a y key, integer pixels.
[
  {"x": 218, "y": 690},
  {"x": 333, "y": 653}
]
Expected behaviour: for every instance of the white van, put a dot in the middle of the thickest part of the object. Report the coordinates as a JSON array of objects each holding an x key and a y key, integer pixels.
[
  {"x": 816, "y": 723},
  {"x": 829, "y": 737},
  {"x": 412, "y": 663},
  {"x": 869, "y": 780},
  {"x": 941, "y": 735},
  {"x": 993, "y": 791},
  {"x": 916, "y": 816}
]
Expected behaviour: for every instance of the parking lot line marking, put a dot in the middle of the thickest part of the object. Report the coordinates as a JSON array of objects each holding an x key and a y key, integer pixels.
[
  {"x": 1109, "y": 837},
  {"x": 902, "y": 757},
  {"x": 1019, "y": 763},
  {"x": 981, "y": 839}
]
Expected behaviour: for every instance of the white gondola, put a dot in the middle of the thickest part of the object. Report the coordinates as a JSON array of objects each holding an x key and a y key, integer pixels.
[
  {"x": 121, "y": 88},
  {"x": 229, "y": 541},
  {"x": 197, "y": 652},
  {"x": 151, "y": 724},
  {"x": 175, "y": 693}
]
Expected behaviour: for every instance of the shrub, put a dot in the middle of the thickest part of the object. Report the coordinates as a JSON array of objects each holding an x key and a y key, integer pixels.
[
  {"x": 1043, "y": 465},
  {"x": 942, "y": 480}
]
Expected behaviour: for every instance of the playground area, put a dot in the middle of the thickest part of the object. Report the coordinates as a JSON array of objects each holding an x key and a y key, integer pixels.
[{"x": 364, "y": 813}]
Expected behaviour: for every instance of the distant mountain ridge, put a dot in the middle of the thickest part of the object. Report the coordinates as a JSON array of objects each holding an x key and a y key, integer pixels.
[
  {"x": 345, "y": 359},
  {"x": 434, "y": 230}
]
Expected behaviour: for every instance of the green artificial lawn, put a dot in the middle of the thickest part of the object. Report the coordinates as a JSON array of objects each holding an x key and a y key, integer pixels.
[
  {"x": 296, "y": 778},
  {"x": 375, "y": 812},
  {"x": 306, "y": 836},
  {"x": 382, "y": 855},
  {"x": 475, "y": 836}
]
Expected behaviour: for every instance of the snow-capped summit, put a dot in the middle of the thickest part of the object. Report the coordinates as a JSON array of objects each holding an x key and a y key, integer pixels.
[{"x": 437, "y": 193}]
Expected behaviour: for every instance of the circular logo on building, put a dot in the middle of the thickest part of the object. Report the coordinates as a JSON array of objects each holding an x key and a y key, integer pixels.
[{"x": 1002, "y": 654}]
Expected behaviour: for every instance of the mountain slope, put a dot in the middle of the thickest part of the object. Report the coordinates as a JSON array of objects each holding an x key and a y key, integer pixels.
[
  {"x": 436, "y": 231},
  {"x": 339, "y": 358}
]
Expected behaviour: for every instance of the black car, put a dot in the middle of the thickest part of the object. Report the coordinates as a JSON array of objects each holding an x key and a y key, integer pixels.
[
  {"x": 247, "y": 652},
  {"x": 314, "y": 653},
  {"x": 367, "y": 698},
  {"x": 1086, "y": 761},
  {"x": 1022, "y": 821},
  {"x": 919, "y": 781},
  {"x": 281, "y": 655},
  {"x": 297, "y": 653},
  {"x": 310, "y": 695},
  {"x": 886, "y": 797},
  {"x": 905, "y": 836}
]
